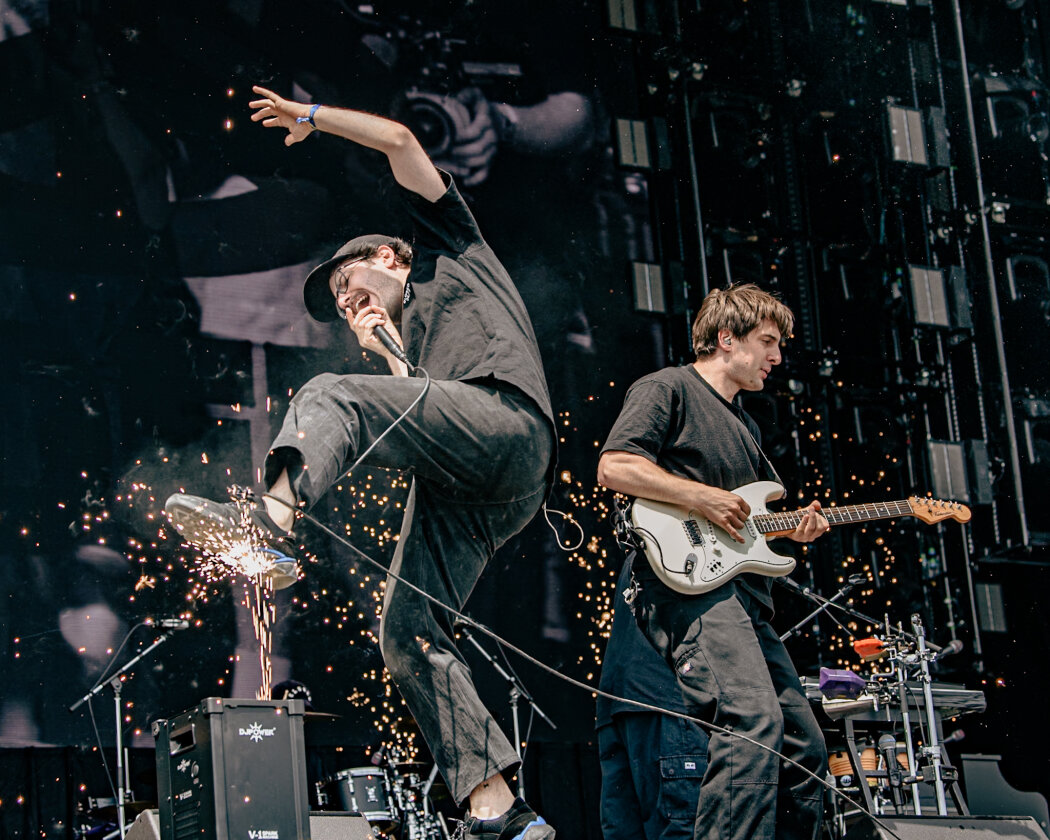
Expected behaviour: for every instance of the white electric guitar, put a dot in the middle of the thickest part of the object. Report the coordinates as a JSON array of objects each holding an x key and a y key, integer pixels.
[{"x": 692, "y": 555}]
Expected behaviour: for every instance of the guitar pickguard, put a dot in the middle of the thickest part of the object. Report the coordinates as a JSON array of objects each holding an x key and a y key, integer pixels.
[{"x": 692, "y": 555}]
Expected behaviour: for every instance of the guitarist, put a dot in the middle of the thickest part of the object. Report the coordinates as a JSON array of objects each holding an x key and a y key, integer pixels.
[{"x": 681, "y": 439}]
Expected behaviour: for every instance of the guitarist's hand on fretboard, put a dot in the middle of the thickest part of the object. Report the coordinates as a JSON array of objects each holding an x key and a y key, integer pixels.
[{"x": 813, "y": 524}]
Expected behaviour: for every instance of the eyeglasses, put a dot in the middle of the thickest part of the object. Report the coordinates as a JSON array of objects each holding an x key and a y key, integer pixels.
[{"x": 341, "y": 281}]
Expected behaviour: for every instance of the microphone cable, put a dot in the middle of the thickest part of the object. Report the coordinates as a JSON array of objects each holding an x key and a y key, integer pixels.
[{"x": 474, "y": 625}]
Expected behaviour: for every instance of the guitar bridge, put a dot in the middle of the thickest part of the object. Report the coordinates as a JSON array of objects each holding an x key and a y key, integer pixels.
[{"x": 692, "y": 532}]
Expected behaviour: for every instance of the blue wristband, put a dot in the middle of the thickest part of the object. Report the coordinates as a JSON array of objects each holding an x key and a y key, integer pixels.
[{"x": 310, "y": 117}]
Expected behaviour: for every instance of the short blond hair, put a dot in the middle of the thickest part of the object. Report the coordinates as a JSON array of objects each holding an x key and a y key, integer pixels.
[{"x": 738, "y": 308}]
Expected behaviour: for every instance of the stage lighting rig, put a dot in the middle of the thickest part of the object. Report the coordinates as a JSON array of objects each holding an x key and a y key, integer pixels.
[
  {"x": 668, "y": 69},
  {"x": 1015, "y": 139},
  {"x": 1017, "y": 109}
]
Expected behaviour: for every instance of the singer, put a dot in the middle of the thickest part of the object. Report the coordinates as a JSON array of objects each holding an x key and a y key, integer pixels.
[
  {"x": 480, "y": 445},
  {"x": 681, "y": 439}
]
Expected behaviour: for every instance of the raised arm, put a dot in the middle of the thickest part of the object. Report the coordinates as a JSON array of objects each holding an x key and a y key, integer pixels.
[{"x": 411, "y": 167}]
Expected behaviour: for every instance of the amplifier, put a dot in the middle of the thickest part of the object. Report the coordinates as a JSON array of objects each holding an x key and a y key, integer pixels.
[
  {"x": 947, "y": 828},
  {"x": 324, "y": 825},
  {"x": 233, "y": 770}
]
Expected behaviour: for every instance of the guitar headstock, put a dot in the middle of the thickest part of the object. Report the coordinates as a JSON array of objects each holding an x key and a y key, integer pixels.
[{"x": 935, "y": 510}]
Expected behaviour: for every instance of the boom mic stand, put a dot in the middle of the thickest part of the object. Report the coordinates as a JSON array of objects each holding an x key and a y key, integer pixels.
[
  {"x": 117, "y": 685},
  {"x": 825, "y": 603},
  {"x": 517, "y": 691}
]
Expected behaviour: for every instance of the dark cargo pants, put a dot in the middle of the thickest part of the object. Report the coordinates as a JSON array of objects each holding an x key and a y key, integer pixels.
[
  {"x": 735, "y": 672},
  {"x": 651, "y": 766},
  {"x": 479, "y": 454}
]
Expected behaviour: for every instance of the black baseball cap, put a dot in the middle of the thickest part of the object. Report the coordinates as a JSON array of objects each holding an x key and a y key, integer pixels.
[{"x": 317, "y": 295}]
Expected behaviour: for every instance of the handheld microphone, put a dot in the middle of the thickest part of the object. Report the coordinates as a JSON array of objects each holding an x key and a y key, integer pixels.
[
  {"x": 169, "y": 623},
  {"x": 387, "y": 340}
]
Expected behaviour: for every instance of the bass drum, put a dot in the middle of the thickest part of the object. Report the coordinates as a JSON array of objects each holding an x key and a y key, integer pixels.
[{"x": 365, "y": 790}]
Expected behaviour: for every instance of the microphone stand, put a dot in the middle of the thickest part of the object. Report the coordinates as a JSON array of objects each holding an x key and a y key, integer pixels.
[
  {"x": 824, "y": 603},
  {"x": 932, "y": 749},
  {"x": 926, "y": 652},
  {"x": 853, "y": 580},
  {"x": 517, "y": 691},
  {"x": 117, "y": 685}
]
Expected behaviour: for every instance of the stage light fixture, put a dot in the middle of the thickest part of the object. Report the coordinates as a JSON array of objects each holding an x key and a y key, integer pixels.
[
  {"x": 991, "y": 611},
  {"x": 907, "y": 135},
  {"x": 917, "y": 137},
  {"x": 632, "y": 141},
  {"x": 1017, "y": 109},
  {"x": 939, "y": 299},
  {"x": 1028, "y": 279},
  {"x": 948, "y": 468},
  {"x": 648, "y": 286},
  {"x": 623, "y": 15},
  {"x": 1036, "y": 413}
]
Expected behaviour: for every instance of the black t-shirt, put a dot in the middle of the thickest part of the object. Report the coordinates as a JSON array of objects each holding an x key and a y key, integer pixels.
[
  {"x": 464, "y": 319},
  {"x": 677, "y": 420}
]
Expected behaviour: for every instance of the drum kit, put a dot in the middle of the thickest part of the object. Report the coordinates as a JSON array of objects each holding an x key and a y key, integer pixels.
[{"x": 390, "y": 795}]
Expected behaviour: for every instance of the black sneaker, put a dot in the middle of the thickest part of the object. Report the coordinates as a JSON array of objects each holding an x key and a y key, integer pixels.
[
  {"x": 519, "y": 823},
  {"x": 238, "y": 534}
]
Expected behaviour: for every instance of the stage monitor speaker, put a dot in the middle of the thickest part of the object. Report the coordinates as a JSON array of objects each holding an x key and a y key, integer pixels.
[
  {"x": 339, "y": 825},
  {"x": 233, "y": 770},
  {"x": 145, "y": 827},
  {"x": 947, "y": 828}
]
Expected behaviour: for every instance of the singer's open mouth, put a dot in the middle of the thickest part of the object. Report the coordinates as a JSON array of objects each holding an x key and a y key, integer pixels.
[{"x": 358, "y": 301}]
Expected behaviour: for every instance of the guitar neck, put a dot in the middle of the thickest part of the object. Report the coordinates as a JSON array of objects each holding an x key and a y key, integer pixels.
[{"x": 773, "y": 524}]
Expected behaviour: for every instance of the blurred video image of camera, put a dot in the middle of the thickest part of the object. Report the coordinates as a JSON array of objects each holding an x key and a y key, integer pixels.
[{"x": 446, "y": 78}]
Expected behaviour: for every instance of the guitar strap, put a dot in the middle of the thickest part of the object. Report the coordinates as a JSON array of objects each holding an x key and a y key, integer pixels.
[{"x": 773, "y": 474}]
